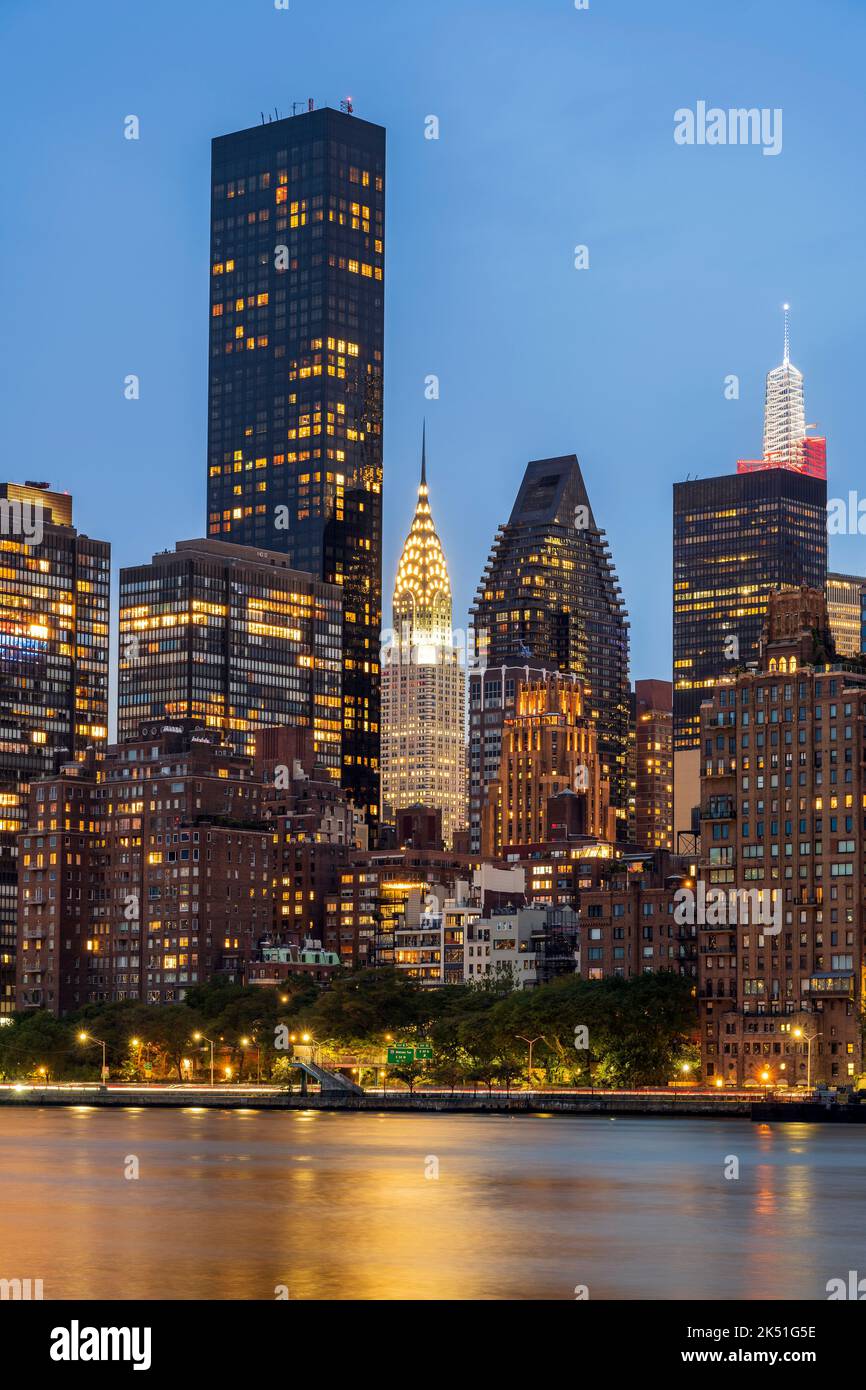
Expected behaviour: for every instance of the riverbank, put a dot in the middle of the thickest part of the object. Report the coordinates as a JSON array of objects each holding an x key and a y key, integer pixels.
[{"x": 676, "y": 1105}]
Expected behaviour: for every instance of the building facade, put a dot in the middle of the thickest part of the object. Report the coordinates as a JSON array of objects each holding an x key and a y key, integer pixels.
[
  {"x": 736, "y": 539},
  {"x": 549, "y": 746},
  {"x": 628, "y": 922},
  {"x": 143, "y": 871},
  {"x": 492, "y": 700},
  {"x": 54, "y": 610},
  {"x": 783, "y": 792},
  {"x": 424, "y": 683},
  {"x": 654, "y": 765},
  {"x": 361, "y": 918},
  {"x": 846, "y": 597},
  {"x": 295, "y": 384},
  {"x": 233, "y": 638},
  {"x": 549, "y": 598},
  {"x": 315, "y": 829}
]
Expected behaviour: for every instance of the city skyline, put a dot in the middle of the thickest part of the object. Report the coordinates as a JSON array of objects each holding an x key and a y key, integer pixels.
[
  {"x": 432, "y": 669},
  {"x": 671, "y": 317}
]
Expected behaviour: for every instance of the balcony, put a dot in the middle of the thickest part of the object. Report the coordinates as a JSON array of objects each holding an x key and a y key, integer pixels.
[{"x": 837, "y": 983}]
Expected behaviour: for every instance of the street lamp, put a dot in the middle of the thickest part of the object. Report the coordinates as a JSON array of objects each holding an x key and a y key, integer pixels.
[
  {"x": 248, "y": 1042},
  {"x": 200, "y": 1037},
  {"x": 808, "y": 1039},
  {"x": 531, "y": 1042},
  {"x": 96, "y": 1042}
]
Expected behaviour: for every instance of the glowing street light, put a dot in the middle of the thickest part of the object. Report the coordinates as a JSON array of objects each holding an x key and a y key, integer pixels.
[
  {"x": 808, "y": 1039},
  {"x": 531, "y": 1042},
  {"x": 250, "y": 1042},
  {"x": 96, "y": 1042},
  {"x": 200, "y": 1037}
]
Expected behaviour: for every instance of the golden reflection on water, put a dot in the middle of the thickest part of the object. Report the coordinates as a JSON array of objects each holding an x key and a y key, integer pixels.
[{"x": 232, "y": 1204}]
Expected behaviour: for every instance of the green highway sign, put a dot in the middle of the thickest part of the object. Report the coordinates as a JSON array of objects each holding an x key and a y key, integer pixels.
[
  {"x": 399, "y": 1055},
  {"x": 424, "y": 1053}
]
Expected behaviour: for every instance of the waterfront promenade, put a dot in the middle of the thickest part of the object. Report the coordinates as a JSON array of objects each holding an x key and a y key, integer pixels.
[{"x": 674, "y": 1103}]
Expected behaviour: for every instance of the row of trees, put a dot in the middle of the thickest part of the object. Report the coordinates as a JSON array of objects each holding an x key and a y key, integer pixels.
[{"x": 610, "y": 1032}]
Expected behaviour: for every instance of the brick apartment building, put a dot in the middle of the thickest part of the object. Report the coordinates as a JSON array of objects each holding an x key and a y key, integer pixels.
[
  {"x": 783, "y": 792},
  {"x": 627, "y": 923},
  {"x": 142, "y": 871},
  {"x": 315, "y": 828}
]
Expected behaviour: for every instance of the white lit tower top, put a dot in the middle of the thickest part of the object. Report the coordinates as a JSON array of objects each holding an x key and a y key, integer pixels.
[
  {"x": 784, "y": 409},
  {"x": 787, "y": 443}
]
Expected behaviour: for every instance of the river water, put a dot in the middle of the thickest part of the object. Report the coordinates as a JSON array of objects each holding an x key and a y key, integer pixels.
[{"x": 319, "y": 1205}]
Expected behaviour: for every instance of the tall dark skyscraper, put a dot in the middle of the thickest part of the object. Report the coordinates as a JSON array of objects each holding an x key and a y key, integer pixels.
[
  {"x": 550, "y": 597},
  {"x": 295, "y": 386},
  {"x": 736, "y": 538}
]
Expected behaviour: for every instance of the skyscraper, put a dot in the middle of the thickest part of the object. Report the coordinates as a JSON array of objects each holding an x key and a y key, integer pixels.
[
  {"x": 786, "y": 442},
  {"x": 549, "y": 598},
  {"x": 736, "y": 539},
  {"x": 424, "y": 683},
  {"x": 295, "y": 388},
  {"x": 54, "y": 599},
  {"x": 234, "y": 638}
]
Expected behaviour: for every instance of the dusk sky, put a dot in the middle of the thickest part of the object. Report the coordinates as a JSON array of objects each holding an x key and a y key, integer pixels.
[{"x": 556, "y": 129}]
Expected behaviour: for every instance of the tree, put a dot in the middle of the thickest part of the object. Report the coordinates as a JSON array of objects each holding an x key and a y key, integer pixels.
[
  {"x": 172, "y": 1032},
  {"x": 34, "y": 1040}
]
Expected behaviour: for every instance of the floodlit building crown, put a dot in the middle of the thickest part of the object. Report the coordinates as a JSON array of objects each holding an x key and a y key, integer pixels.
[{"x": 422, "y": 592}]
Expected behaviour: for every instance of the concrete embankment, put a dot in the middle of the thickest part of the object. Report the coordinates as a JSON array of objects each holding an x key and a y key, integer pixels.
[
  {"x": 601, "y": 1103},
  {"x": 548, "y": 1103}
]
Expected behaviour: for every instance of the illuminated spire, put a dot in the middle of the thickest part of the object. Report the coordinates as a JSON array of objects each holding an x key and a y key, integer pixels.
[
  {"x": 422, "y": 592},
  {"x": 423, "y": 723},
  {"x": 784, "y": 409}
]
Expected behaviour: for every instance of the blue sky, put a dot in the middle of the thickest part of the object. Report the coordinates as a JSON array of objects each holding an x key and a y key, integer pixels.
[{"x": 556, "y": 129}]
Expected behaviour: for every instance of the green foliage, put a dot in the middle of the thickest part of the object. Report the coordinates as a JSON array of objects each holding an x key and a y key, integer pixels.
[{"x": 640, "y": 1031}]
